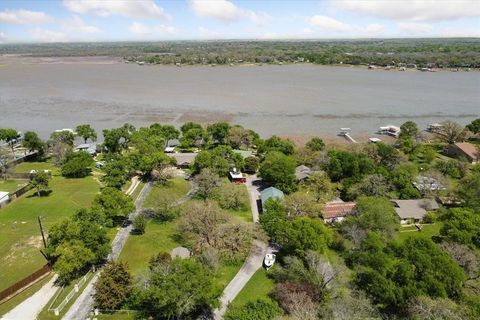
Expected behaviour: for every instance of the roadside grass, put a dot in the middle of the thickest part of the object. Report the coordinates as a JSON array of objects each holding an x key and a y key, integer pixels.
[
  {"x": 116, "y": 316},
  {"x": 49, "y": 315},
  {"x": 245, "y": 212},
  {"x": 12, "y": 185},
  {"x": 427, "y": 231},
  {"x": 22, "y": 296},
  {"x": 137, "y": 191},
  {"x": 20, "y": 239},
  {"x": 258, "y": 287}
]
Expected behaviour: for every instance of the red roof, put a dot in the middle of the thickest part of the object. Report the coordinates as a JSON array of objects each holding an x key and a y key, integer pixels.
[{"x": 335, "y": 210}]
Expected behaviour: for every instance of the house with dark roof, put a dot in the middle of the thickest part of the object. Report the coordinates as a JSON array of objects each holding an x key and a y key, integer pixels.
[
  {"x": 465, "y": 150},
  {"x": 184, "y": 160},
  {"x": 302, "y": 172},
  {"x": 412, "y": 211},
  {"x": 337, "y": 210}
]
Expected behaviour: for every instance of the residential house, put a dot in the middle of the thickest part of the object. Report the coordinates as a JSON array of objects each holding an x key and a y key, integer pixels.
[
  {"x": 90, "y": 148},
  {"x": 337, "y": 210},
  {"x": 270, "y": 193},
  {"x": 413, "y": 211},
  {"x": 465, "y": 150},
  {"x": 244, "y": 153}
]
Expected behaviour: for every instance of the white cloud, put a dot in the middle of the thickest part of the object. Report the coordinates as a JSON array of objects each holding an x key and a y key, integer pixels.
[
  {"x": 414, "y": 28},
  {"x": 24, "y": 17},
  {"x": 375, "y": 29},
  {"x": 141, "y": 29},
  {"x": 76, "y": 24},
  {"x": 105, "y": 8},
  {"x": 3, "y": 37},
  {"x": 414, "y": 10},
  {"x": 329, "y": 24},
  {"x": 42, "y": 35},
  {"x": 226, "y": 11},
  {"x": 207, "y": 33}
]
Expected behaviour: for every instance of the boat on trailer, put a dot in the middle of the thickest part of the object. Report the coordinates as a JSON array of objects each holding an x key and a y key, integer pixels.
[{"x": 269, "y": 260}]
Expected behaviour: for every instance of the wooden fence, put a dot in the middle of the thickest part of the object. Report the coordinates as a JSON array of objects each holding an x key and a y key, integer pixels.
[{"x": 21, "y": 285}]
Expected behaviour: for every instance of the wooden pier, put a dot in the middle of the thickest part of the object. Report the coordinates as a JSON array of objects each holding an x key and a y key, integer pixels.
[{"x": 345, "y": 132}]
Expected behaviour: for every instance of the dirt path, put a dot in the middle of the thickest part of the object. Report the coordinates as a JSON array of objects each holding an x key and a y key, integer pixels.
[
  {"x": 253, "y": 262},
  {"x": 31, "y": 307},
  {"x": 84, "y": 303}
]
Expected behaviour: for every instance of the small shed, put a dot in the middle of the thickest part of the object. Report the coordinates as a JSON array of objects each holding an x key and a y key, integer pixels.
[
  {"x": 269, "y": 193},
  {"x": 180, "y": 252},
  {"x": 236, "y": 176},
  {"x": 3, "y": 198}
]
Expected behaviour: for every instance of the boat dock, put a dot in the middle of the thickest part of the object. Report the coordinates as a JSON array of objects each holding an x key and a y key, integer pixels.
[{"x": 345, "y": 132}]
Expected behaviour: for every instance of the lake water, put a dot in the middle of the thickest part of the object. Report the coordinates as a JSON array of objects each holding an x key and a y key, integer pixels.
[{"x": 287, "y": 100}]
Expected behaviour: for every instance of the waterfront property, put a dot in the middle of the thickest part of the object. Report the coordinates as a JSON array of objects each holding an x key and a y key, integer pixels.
[
  {"x": 236, "y": 176},
  {"x": 464, "y": 150}
]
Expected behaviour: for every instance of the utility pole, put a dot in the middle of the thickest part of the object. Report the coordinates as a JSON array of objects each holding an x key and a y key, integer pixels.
[{"x": 41, "y": 230}]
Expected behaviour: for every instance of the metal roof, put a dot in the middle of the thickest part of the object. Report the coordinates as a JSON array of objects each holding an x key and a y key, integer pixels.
[{"x": 271, "y": 192}]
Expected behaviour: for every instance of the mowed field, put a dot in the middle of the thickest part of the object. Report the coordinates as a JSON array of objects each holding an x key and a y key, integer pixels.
[{"x": 20, "y": 238}]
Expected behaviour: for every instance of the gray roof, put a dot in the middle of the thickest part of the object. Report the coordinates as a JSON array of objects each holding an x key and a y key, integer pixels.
[
  {"x": 180, "y": 252},
  {"x": 173, "y": 142},
  {"x": 184, "y": 157},
  {"x": 302, "y": 172},
  {"x": 414, "y": 209},
  {"x": 271, "y": 193},
  {"x": 244, "y": 153}
]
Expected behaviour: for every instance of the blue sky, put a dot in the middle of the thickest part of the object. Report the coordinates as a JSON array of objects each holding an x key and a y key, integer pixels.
[{"x": 119, "y": 20}]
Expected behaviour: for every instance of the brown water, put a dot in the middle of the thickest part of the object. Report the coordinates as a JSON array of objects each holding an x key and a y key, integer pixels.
[{"x": 288, "y": 100}]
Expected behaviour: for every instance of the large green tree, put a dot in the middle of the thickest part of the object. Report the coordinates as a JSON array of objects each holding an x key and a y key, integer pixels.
[
  {"x": 279, "y": 170},
  {"x": 181, "y": 291},
  {"x": 113, "y": 287},
  {"x": 113, "y": 203},
  {"x": 86, "y": 132},
  {"x": 258, "y": 310},
  {"x": 77, "y": 165},
  {"x": 9, "y": 136},
  {"x": 32, "y": 142}
]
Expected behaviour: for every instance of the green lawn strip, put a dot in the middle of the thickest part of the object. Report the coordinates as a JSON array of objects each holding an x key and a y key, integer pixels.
[
  {"x": 19, "y": 298},
  {"x": 26, "y": 167},
  {"x": 245, "y": 212},
  {"x": 20, "y": 240},
  {"x": 176, "y": 189},
  {"x": 428, "y": 231},
  {"x": 258, "y": 287},
  {"x": 137, "y": 191},
  {"x": 12, "y": 185},
  {"x": 116, "y": 316},
  {"x": 49, "y": 315}
]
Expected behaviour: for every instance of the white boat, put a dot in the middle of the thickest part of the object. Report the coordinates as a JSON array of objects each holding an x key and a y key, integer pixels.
[{"x": 269, "y": 260}]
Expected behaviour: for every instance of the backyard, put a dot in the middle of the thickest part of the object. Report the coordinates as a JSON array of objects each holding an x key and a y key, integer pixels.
[{"x": 20, "y": 239}]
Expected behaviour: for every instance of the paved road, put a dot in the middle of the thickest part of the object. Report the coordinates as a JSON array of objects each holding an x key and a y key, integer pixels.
[
  {"x": 31, "y": 307},
  {"x": 84, "y": 303},
  {"x": 254, "y": 260}
]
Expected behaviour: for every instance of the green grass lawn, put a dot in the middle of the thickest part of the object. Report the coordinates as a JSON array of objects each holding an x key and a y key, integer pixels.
[
  {"x": 259, "y": 287},
  {"x": 20, "y": 240},
  {"x": 176, "y": 190},
  {"x": 245, "y": 212},
  {"x": 26, "y": 167},
  {"x": 158, "y": 237},
  {"x": 429, "y": 231},
  {"x": 12, "y": 185}
]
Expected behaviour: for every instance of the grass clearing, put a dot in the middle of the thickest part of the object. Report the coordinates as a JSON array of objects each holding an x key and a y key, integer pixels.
[
  {"x": 26, "y": 167},
  {"x": 177, "y": 189},
  {"x": 20, "y": 239},
  {"x": 428, "y": 230},
  {"x": 12, "y": 185},
  {"x": 258, "y": 287},
  {"x": 22, "y": 296}
]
